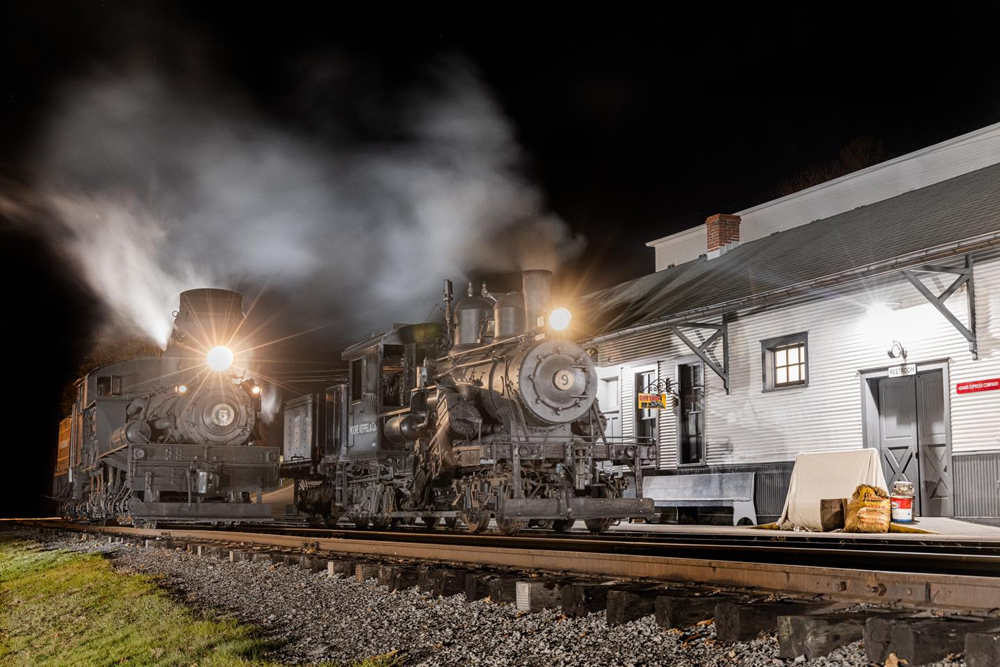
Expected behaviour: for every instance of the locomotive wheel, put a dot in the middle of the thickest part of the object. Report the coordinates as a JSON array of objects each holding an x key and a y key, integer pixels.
[
  {"x": 361, "y": 522},
  {"x": 562, "y": 525},
  {"x": 598, "y": 526},
  {"x": 476, "y": 521},
  {"x": 510, "y": 526},
  {"x": 381, "y": 523},
  {"x": 430, "y": 522},
  {"x": 451, "y": 522}
]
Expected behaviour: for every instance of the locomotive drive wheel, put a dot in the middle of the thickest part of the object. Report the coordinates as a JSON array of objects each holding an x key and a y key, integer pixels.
[
  {"x": 562, "y": 525},
  {"x": 598, "y": 526},
  {"x": 510, "y": 526},
  {"x": 451, "y": 522},
  {"x": 476, "y": 521},
  {"x": 430, "y": 522}
]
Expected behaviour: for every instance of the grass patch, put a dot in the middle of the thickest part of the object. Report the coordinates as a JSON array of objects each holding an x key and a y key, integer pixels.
[{"x": 66, "y": 608}]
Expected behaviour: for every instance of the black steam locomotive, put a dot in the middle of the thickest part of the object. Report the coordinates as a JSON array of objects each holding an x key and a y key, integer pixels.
[
  {"x": 492, "y": 414},
  {"x": 173, "y": 437}
]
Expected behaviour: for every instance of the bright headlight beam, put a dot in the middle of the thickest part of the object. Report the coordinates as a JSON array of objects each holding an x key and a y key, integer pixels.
[
  {"x": 560, "y": 318},
  {"x": 219, "y": 358}
]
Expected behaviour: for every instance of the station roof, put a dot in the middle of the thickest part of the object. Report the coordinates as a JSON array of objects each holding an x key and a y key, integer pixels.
[{"x": 891, "y": 233}]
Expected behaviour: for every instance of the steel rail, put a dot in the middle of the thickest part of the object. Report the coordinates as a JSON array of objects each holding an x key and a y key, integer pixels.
[
  {"x": 910, "y": 543},
  {"x": 919, "y": 588}
]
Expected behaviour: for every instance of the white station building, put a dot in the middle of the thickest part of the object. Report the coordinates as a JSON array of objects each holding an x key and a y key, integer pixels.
[{"x": 862, "y": 312}]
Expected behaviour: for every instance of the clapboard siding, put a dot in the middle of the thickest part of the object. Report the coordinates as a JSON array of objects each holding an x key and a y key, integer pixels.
[
  {"x": 751, "y": 426},
  {"x": 977, "y": 485}
]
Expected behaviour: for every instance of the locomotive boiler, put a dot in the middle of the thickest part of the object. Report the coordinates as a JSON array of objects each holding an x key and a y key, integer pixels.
[
  {"x": 173, "y": 437},
  {"x": 491, "y": 415}
]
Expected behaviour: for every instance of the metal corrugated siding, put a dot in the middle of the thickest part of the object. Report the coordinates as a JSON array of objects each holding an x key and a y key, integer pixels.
[
  {"x": 977, "y": 485},
  {"x": 750, "y": 426}
]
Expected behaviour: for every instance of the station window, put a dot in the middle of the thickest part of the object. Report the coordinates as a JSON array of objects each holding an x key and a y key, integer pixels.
[
  {"x": 785, "y": 362},
  {"x": 609, "y": 394}
]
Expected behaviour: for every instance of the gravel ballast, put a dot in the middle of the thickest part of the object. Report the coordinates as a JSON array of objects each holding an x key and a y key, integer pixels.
[{"x": 320, "y": 618}]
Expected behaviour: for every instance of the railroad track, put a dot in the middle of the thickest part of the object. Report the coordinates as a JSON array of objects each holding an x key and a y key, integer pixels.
[
  {"x": 746, "y": 586},
  {"x": 981, "y": 558},
  {"x": 963, "y": 575}
]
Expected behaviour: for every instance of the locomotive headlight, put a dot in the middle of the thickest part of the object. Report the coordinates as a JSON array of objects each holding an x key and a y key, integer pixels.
[
  {"x": 219, "y": 358},
  {"x": 256, "y": 390},
  {"x": 181, "y": 389},
  {"x": 559, "y": 319}
]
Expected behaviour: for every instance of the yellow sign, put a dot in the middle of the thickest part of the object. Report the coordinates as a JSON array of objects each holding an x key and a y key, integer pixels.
[{"x": 653, "y": 401}]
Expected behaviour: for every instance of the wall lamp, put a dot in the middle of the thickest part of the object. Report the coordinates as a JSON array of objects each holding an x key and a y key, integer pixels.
[{"x": 897, "y": 351}]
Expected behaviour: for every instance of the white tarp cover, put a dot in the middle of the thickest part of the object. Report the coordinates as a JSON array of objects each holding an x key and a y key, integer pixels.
[{"x": 826, "y": 475}]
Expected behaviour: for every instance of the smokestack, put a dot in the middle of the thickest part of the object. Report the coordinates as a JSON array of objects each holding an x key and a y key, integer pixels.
[
  {"x": 537, "y": 287},
  {"x": 723, "y": 233},
  {"x": 207, "y": 317}
]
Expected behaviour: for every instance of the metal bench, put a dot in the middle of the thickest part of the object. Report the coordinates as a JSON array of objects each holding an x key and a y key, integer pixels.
[{"x": 729, "y": 489}]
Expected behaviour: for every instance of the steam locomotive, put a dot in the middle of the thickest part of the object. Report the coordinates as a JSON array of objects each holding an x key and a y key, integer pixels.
[
  {"x": 491, "y": 415},
  {"x": 173, "y": 437}
]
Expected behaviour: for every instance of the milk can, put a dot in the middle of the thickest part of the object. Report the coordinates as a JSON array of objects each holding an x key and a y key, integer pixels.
[{"x": 902, "y": 502}]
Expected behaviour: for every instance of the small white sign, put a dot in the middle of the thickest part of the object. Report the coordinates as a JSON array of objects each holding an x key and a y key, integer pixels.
[{"x": 900, "y": 371}]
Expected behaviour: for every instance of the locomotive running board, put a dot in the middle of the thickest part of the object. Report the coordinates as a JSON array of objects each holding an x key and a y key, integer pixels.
[{"x": 579, "y": 508}]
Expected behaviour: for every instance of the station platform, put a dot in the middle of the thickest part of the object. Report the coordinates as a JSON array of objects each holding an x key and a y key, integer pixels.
[{"x": 939, "y": 529}]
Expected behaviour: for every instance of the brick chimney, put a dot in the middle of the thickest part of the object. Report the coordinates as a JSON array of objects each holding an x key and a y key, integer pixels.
[{"x": 723, "y": 233}]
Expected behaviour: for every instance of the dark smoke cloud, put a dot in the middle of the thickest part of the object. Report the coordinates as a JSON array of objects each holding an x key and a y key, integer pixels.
[{"x": 151, "y": 187}]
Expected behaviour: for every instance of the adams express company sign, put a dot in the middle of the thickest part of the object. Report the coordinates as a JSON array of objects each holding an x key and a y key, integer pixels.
[{"x": 977, "y": 386}]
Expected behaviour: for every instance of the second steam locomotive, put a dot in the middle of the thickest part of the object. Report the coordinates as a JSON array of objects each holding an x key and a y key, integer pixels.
[
  {"x": 173, "y": 437},
  {"x": 491, "y": 415}
]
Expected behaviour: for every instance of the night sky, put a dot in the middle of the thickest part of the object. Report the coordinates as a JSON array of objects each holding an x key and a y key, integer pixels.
[{"x": 633, "y": 126}]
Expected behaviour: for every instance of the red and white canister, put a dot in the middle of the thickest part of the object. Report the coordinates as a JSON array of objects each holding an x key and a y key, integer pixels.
[{"x": 901, "y": 499}]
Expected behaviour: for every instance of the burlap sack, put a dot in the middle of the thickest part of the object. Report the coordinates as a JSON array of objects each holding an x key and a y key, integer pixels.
[{"x": 869, "y": 511}]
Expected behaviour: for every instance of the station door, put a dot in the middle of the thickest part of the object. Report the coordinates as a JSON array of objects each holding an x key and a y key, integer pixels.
[{"x": 913, "y": 439}]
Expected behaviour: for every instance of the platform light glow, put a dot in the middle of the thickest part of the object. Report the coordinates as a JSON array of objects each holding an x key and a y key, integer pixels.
[
  {"x": 559, "y": 319},
  {"x": 219, "y": 358}
]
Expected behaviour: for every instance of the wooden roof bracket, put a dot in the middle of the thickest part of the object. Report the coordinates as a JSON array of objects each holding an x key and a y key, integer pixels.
[
  {"x": 721, "y": 332},
  {"x": 965, "y": 277}
]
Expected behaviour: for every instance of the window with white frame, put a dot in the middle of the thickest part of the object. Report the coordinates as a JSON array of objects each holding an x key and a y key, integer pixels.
[
  {"x": 608, "y": 397},
  {"x": 785, "y": 362}
]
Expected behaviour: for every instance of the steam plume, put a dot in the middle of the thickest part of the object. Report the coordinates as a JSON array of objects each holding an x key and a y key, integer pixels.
[{"x": 151, "y": 188}]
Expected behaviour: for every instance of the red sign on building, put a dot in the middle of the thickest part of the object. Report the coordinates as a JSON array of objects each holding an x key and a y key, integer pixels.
[{"x": 978, "y": 385}]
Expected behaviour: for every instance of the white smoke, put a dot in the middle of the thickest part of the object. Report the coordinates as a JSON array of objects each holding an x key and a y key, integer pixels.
[{"x": 155, "y": 188}]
